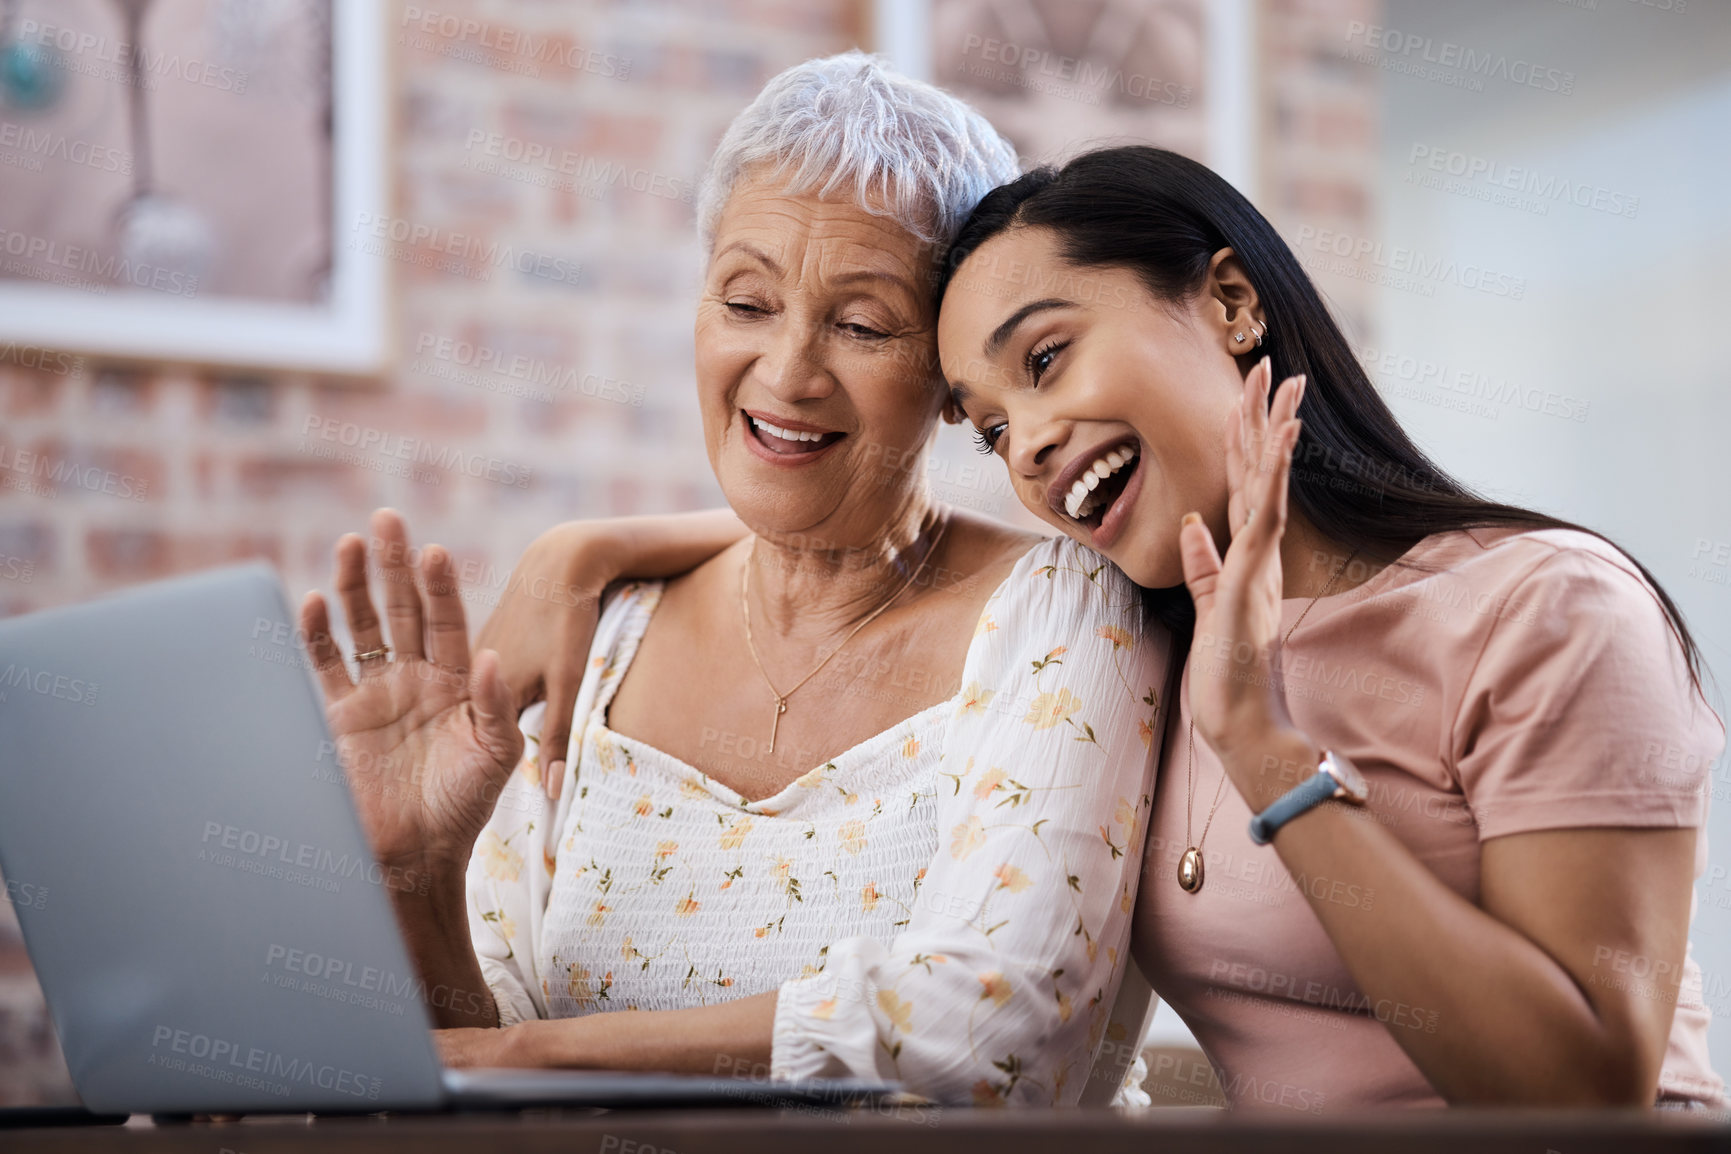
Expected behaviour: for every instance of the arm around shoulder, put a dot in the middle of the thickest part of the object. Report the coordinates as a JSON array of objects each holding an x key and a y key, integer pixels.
[{"x": 998, "y": 988}]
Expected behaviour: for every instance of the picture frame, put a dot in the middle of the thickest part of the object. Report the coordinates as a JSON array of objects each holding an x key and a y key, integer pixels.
[{"x": 345, "y": 333}]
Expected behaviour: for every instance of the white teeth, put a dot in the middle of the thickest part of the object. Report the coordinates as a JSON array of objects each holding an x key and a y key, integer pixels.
[
  {"x": 1080, "y": 502},
  {"x": 784, "y": 434}
]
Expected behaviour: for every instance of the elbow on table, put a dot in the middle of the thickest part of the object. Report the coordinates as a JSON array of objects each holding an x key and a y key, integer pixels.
[{"x": 1623, "y": 1076}]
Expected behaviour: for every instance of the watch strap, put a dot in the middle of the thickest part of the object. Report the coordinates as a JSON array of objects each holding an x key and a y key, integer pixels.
[{"x": 1301, "y": 798}]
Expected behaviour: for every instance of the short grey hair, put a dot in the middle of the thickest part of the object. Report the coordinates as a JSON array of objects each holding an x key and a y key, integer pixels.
[{"x": 900, "y": 147}]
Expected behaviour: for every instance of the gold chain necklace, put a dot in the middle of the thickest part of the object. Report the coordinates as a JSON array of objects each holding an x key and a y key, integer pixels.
[
  {"x": 1190, "y": 871},
  {"x": 745, "y": 611}
]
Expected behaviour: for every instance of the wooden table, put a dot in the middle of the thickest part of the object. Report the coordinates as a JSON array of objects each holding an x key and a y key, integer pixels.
[{"x": 1175, "y": 1130}]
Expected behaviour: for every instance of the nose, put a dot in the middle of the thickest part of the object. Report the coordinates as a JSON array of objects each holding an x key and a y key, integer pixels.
[
  {"x": 1034, "y": 442},
  {"x": 792, "y": 366}
]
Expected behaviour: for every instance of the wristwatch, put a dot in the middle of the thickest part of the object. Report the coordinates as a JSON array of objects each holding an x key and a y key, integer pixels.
[{"x": 1336, "y": 779}]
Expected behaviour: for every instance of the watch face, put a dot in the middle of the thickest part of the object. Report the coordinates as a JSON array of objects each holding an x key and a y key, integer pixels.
[{"x": 1352, "y": 784}]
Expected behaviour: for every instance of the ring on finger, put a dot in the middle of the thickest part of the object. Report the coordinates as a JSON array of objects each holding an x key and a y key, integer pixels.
[{"x": 381, "y": 651}]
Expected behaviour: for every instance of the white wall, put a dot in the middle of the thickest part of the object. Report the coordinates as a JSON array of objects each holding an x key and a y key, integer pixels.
[{"x": 1623, "y": 321}]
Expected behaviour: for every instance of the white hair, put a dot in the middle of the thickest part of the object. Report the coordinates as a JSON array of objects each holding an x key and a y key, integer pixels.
[{"x": 900, "y": 147}]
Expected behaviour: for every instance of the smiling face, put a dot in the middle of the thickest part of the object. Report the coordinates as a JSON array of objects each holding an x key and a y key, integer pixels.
[
  {"x": 1108, "y": 405},
  {"x": 816, "y": 364}
]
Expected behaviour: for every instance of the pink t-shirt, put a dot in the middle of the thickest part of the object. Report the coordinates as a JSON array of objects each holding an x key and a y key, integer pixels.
[{"x": 1491, "y": 682}]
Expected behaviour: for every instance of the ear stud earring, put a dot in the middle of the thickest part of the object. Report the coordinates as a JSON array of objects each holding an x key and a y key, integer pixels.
[{"x": 1239, "y": 337}]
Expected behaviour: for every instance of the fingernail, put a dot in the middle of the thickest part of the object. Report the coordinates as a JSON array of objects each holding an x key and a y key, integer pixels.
[
  {"x": 1303, "y": 383},
  {"x": 1191, "y": 519}
]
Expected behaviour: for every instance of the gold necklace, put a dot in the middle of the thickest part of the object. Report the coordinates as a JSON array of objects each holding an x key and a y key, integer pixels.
[
  {"x": 1190, "y": 871},
  {"x": 745, "y": 610}
]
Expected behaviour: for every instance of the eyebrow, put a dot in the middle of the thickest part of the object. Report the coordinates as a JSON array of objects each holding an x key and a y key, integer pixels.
[
  {"x": 753, "y": 251},
  {"x": 1001, "y": 335},
  {"x": 865, "y": 274},
  {"x": 873, "y": 274}
]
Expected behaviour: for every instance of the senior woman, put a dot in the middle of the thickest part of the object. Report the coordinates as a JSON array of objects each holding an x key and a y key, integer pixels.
[{"x": 861, "y": 795}]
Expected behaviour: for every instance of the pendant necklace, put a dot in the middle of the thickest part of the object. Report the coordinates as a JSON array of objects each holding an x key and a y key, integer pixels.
[
  {"x": 745, "y": 610},
  {"x": 1190, "y": 871}
]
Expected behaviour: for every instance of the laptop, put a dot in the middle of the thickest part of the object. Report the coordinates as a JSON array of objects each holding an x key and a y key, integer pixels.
[{"x": 207, "y": 921}]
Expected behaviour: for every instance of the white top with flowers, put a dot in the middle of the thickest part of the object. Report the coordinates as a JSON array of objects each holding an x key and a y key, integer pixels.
[{"x": 946, "y": 904}]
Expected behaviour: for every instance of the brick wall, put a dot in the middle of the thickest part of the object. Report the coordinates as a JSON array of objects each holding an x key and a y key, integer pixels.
[{"x": 1320, "y": 126}]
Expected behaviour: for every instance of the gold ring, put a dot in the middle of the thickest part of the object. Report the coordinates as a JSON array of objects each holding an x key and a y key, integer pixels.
[{"x": 381, "y": 651}]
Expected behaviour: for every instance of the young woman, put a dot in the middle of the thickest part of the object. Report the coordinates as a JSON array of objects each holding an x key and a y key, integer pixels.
[{"x": 1418, "y": 835}]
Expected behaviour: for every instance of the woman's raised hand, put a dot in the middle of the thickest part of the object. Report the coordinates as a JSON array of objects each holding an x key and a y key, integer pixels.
[
  {"x": 427, "y": 740},
  {"x": 1234, "y": 699}
]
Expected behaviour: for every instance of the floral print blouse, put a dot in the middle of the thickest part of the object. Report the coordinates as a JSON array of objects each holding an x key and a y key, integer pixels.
[{"x": 946, "y": 904}]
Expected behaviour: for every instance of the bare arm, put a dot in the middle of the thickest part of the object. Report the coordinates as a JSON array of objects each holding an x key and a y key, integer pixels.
[
  {"x": 1515, "y": 1000},
  {"x": 547, "y": 614},
  {"x": 727, "y": 1039}
]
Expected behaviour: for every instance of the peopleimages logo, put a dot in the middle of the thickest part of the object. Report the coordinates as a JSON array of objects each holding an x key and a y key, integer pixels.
[
  {"x": 471, "y": 256},
  {"x": 21, "y": 468},
  {"x": 1469, "y": 385},
  {"x": 223, "y": 1060},
  {"x": 263, "y": 853},
  {"x": 1071, "y": 77},
  {"x": 1400, "y": 267},
  {"x": 38, "y": 146},
  {"x": 1405, "y": 51},
  {"x": 591, "y": 175},
  {"x": 40, "y": 359},
  {"x": 47, "y": 255},
  {"x": 389, "y": 445},
  {"x": 47, "y": 683},
  {"x": 107, "y": 59},
  {"x": 521, "y": 367},
  {"x": 1529, "y": 189},
  {"x": 26, "y": 895},
  {"x": 467, "y": 38},
  {"x": 366, "y": 987}
]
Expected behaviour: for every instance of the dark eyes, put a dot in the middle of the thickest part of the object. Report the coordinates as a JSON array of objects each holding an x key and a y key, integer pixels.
[
  {"x": 1040, "y": 358},
  {"x": 986, "y": 439}
]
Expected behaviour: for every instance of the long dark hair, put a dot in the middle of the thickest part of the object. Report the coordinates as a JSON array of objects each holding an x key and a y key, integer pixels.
[{"x": 1356, "y": 474}]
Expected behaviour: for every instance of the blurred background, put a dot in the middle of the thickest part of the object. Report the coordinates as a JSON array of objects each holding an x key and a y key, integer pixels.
[{"x": 268, "y": 264}]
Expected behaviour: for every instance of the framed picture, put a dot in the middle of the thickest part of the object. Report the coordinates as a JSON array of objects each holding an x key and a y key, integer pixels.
[
  {"x": 1057, "y": 77},
  {"x": 174, "y": 174}
]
